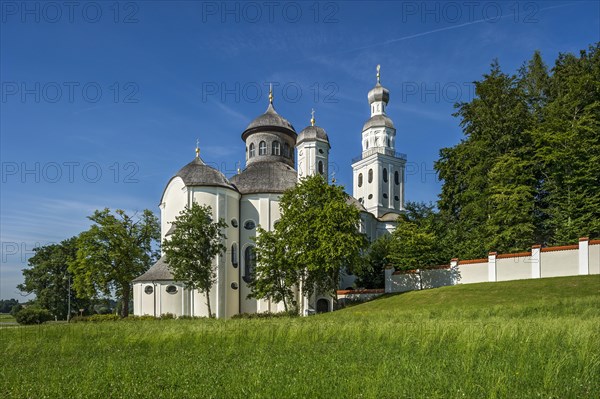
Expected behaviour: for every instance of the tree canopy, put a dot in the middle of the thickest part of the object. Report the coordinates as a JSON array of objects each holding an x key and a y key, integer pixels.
[
  {"x": 116, "y": 249},
  {"x": 191, "y": 249},
  {"x": 316, "y": 237}
]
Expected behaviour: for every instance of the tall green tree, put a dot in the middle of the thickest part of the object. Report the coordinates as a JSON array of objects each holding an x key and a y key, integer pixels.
[
  {"x": 191, "y": 249},
  {"x": 116, "y": 249},
  {"x": 319, "y": 231},
  {"x": 274, "y": 276},
  {"x": 49, "y": 278},
  {"x": 371, "y": 273}
]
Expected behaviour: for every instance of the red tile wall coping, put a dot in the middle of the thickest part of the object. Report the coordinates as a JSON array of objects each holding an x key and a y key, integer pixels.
[{"x": 367, "y": 291}]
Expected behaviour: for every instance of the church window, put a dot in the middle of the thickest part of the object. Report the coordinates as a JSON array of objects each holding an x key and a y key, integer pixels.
[
  {"x": 234, "y": 254},
  {"x": 361, "y": 200},
  {"x": 234, "y": 223},
  {"x": 370, "y": 175},
  {"x": 396, "y": 178},
  {"x": 276, "y": 148},
  {"x": 262, "y": 148},
  {"x": 320, "y": 151},
  {"x": 396, "y": 198},
  {"x": 321, "y": 167},
  {"x": 249, "y": 263},
  {"x": 249, "y": 225},
  {"x": 360, "y": 178},
  {"x": 385, "y": 175},
  {"x": 252, "y": 153},
  {"x": 171, "y": 289},
  {"x": 234, "y": 285},
  {"x": 366, "y": 144},
  {"x": 370, "y": 196},
  {"x": 149, "y": 289},
  {"x": 286, "y": 150},
  {"x": 385, "y": 195}
]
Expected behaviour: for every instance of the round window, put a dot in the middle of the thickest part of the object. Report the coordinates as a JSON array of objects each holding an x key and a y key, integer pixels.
[
  {"x": 234, "y": 286},
  {"x": 148, "y": 290},
  {"x": 396, "y": 198},
  {"x": 370, "y": 196},
  {"x": 171, "y": 289},
  {"x": 234, "y": 222},
  {"x": 249, "y": 225},
  {"x": 385, "y": 195}
]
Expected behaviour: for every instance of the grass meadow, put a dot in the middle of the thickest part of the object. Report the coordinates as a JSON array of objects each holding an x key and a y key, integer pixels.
[{"x": 521, "y": 339}]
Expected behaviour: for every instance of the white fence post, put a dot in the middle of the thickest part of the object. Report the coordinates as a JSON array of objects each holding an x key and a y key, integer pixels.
[
  {"x": 584, "y": 255},
  {"x": 536, "y": 271},
  {"x": 492, "y": 266}
]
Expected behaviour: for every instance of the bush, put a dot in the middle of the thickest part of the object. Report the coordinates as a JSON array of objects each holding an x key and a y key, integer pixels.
[
  {"x": 16, "y": 309},
  {"x": 167, "y": 316},
  {"x": 33, "y": 315}
]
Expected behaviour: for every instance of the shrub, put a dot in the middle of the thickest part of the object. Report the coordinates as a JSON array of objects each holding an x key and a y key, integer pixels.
[
  {"x": 33, "y": 315},
  {"x": 167, "y": 316},
  {"x": 16, "y": 309}
]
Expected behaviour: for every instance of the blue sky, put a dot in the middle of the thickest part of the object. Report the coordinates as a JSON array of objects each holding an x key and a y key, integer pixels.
[{"x": 102, "y": 104}]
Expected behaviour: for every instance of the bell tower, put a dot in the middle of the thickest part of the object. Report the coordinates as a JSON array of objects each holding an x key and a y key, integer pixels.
[
  {"x": 313, "y": 150},
  {"x": 378, "y": 173}
]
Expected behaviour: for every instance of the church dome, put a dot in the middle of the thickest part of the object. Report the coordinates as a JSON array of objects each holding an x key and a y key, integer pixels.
[
  {"x": 265, "y": 177},
  {"x": 312, "y": 133},
  {"x": 197, "y": 173},
  {"x": 379, "y": 93},
  {"x": 378, "y": 121},
  {"x": 270, "y": 120}
]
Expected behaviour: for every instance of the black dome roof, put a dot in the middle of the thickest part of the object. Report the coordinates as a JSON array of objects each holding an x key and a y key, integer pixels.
[
  {"x": 197, "y": 173},
  {"x": 265, "y": 177},
  {"x": 270, "y": 120},
  {"x": 312, "y": 133}
]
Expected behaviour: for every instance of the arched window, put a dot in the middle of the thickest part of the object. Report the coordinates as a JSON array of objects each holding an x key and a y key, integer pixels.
[
  {"x": 396, "y": 178},
  {"x": 320, "y": 167},
  {"x": 370, "y": 175},
  {"x": 360, "y": 180},
  {"x": 322, "y": 305},
  {"x": 249, "y": 263},
  {"x": 275, "y": 148},
  {"x": 251, "y": 150},
  {"x": 234, "y": 254},
  {"x": 385, "y": 175},
  {"x": 262, "y": 148},
  {"x": 366, "y": 144},
  {"x": 286, "y": 150}
]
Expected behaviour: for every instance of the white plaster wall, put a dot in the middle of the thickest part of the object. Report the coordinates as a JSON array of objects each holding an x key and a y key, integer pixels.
[
  {"x": 434, "y": 278},
  {"x": 517, "y": 268},
  {"x": 595, "y": 259},
  {"x": 173, "y": 201},
  {"x": 169, "y": 303},
  {"x": 560, "y": 263},
  {"x": 405, "y": 282},
  {"x": 473, "y": 273}
]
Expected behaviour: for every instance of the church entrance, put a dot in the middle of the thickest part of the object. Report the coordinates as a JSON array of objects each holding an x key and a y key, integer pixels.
[{"x": 322, "y": 305}]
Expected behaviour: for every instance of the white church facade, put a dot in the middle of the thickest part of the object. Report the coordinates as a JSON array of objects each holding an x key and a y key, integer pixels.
[{"x": 276, "y": 158}]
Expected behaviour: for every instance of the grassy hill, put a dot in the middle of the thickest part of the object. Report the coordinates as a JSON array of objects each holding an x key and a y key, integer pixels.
[{"x": 531, "y": 338}]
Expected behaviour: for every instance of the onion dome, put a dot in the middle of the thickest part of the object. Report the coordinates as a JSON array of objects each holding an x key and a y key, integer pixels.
[
  {"x": 378, "y": 121},
  {"x": 313, "y": 133},
  {"x": 379, "y": 93}
]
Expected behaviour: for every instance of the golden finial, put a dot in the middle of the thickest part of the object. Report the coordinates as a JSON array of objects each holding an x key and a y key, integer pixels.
[
  {"x": 197, "y": 148},
  {"x": 378, "y": 75},
  {"x": 312, "y": 119},
  {"x": 270, "y": 93},
  {"x": 238, "y": 167}
]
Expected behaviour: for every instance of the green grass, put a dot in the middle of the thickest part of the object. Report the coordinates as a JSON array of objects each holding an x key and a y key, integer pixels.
[
  {"x": 523, "y": 339},
  {"x": 6, "y": 318}
]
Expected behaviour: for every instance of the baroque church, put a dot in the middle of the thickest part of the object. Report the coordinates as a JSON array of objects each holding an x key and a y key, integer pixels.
[{"x": 251, "y": 198}]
